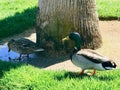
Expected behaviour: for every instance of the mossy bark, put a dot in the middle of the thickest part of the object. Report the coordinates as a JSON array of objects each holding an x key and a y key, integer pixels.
[{"x": 58, "y": 18}]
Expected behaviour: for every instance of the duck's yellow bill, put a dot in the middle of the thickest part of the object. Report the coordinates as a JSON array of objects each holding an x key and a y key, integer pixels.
[{"x": 64, "y": 39}]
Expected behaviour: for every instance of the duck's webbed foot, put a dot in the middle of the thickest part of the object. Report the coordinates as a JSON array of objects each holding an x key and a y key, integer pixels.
[
  {"x": 88, "y": 74},
  {"x": 91, "y": 74}
]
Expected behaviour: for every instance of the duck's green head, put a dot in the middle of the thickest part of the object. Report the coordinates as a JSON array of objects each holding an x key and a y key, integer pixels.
[{"x": 75, "y": 36}]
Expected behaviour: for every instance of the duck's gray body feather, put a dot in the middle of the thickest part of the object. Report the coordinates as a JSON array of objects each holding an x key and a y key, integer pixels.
[{"x": 89, "y": 59}]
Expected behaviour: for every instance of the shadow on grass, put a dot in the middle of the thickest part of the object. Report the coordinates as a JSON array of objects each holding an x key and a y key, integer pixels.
[
  {"x": 70, "y": 75},
  {"x": 17, "y": 23},
  {"x": 109, "y": 18},
  {"x": 105, "y": 78},
  {"x": 76, "y": 75},
  {"x": 6, "y": 66}
]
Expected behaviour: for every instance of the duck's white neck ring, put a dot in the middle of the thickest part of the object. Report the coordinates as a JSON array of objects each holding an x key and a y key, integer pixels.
[{"x": 73, "y": 52}]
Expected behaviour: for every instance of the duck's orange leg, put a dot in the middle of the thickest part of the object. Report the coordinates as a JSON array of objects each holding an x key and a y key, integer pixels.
[
  {"x": 94, "y": 72},
  {"x": 82, "y": 72}
]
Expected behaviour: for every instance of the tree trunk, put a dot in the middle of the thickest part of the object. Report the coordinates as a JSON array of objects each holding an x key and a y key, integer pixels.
[
  {"x": 57, "y": 18},
  {"x": 89, "y": 24}
]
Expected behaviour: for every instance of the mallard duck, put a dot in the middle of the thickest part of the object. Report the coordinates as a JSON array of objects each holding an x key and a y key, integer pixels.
[
  {"x": 87, "y": 58},
  {"x": 23, "y": 46}
]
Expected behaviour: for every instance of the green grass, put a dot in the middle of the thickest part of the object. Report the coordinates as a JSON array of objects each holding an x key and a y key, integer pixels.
[
  {"x": 9, "y": 8},
  {"x": 17, "y": 16},
  {"x": 23, "y": 77},
  {"x": 108, "y": 9}
]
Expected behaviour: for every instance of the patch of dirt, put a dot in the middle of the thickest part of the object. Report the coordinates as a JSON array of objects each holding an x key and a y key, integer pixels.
[{"x": 110, "y": 31}]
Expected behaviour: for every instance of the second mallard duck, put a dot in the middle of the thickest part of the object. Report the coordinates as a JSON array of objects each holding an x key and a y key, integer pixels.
[
  {"x": 87, "y": 58},
  {"x": 23, "y": 46}
]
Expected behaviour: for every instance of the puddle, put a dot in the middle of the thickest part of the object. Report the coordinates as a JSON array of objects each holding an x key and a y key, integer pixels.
[{"x": 4, "y": 54}]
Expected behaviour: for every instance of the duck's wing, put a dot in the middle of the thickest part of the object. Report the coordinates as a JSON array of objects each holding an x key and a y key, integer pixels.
[
  {"x": 92, "y": 56},
  {"x": 25, "y": 43},
  {"x": 94, "y": 52},
  {"x": 28, "y": 45}
]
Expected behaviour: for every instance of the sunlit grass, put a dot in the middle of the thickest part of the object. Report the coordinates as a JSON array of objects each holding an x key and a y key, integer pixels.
[
  {"x": 108, "y": 9},
  {"x": 9, "y": 8},
  {"x": 23, "y": 77}
]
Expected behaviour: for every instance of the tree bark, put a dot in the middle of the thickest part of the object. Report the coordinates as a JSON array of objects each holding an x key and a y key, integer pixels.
[
  {"x": 89, "y": 24},
  {"x": 57, "y": 18}
]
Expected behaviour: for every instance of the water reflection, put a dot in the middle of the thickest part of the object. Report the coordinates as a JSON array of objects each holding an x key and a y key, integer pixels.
[
  {"x": 37, "y": 60},
  {"x": 4, "y": 54}
]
